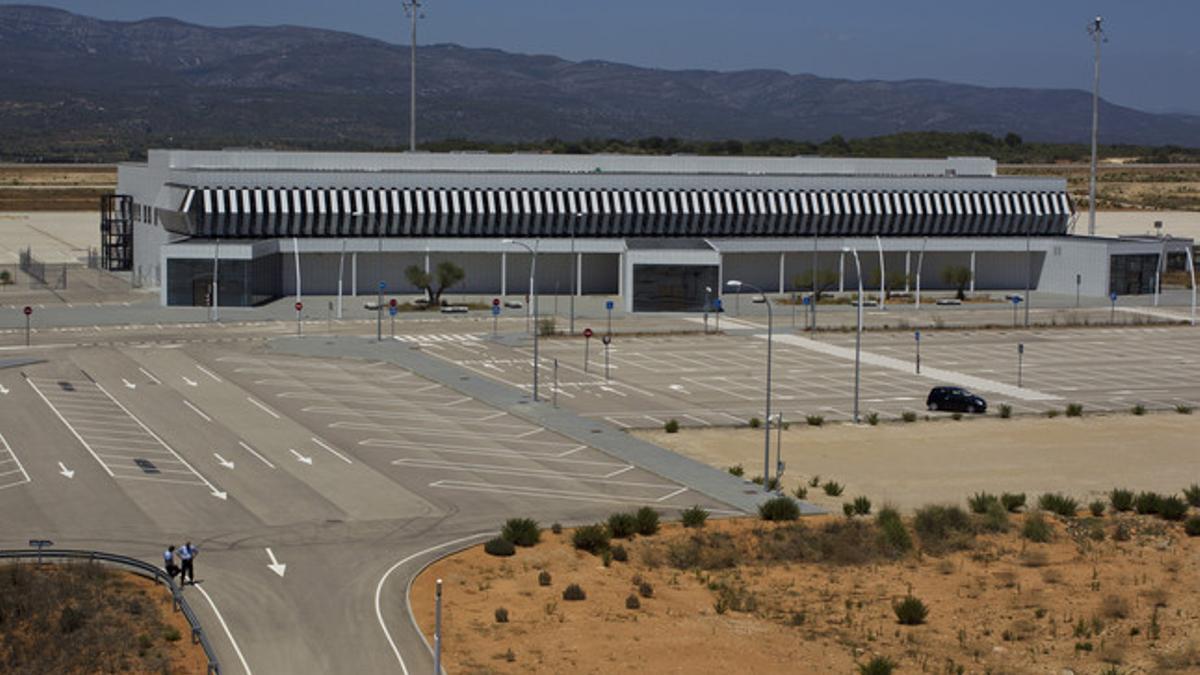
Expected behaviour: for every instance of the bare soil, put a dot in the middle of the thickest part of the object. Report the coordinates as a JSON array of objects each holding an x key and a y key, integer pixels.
[
  {"x": 55, "y": 188},
  {"x": 754, "y": 600},
  {"x": 1127, "y": 186}
]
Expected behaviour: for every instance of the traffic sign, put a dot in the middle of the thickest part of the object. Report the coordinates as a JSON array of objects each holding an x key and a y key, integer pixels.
[
  {"x": 917, "y": 335},
  {"x": 299, "y": 306},
  {"x": 495, "y": 302},
  {"x": 1016, "y": 299},
  {"x": 495, "y": 310},
  {"x": 607, "y": 339},
  {"x": 28, "y": 310},
  {"x": 1111, "y": 296},
  {"x": 393, "y": 310},
  {"x": 392, "y": 302},
  {"x": 609, "y": 305},
  {"x": 587, "y": 332},
  {"x": 1021, "y": 348},
  {"x": 717, "y": 303},
  {"x": 807, "y": 300},
  {"x": 382, "y": 285}
]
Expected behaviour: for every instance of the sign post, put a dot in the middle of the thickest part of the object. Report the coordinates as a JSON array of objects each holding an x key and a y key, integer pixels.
[
  {"x": 28, "y": 312},
  {"x": 1112, "y": 315},
  {"x": 437, "y": 630},
  {"x": 717, "y": 313},
  {"x": 393, "y": 310},
  {"x": 607, "y": 340},
  {"x": 1020, "y": 362},
  {"x": 555, "y": 392},
  {"x": 808, "y": 310},
  {"x": 609, "y": 307},
  {"x": 917, "y": 338},
  {"x": 1078, "y": 283},
  {"x": 379, "y": 312},
  {"x": 495, "y": 317},
  {"x": 1016, "y": 300},
  {"x": 299, "y": 322},
  {"x": 794, "y": 303},
  {"x": 587, "y": 346}
]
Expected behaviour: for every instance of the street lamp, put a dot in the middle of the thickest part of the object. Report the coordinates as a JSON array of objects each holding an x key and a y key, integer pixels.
[
  {"x": 534, "y": 300},
  {"x": 574, "y": 270},
  {"x": 858, "y": 333},
  {"x": 707, "y": 304},
  {"x": 378, "y": 269},
  {"x": 734, "y": 283}
]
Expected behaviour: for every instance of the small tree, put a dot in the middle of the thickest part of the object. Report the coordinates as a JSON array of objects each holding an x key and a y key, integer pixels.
[
  {"x": 958, "y": 277},
  {"x": 826, "y": 280},
  {"x": 446, "y": 274}
]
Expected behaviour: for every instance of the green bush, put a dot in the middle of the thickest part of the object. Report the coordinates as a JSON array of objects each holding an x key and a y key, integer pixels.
[
  {"x": 980, "y": 501},
  {"x": 892, "y": 530},
  {"x": 814, "y": 420},
  {"x": 622, "y": 525},
  {"x": 1192, "y": 494},
  {"x": 755, "y": 423},
  {"x": 556, "y": 528},
  {"x": 908, "y": 416},
  {"x": 1059, "y": 504},
  {"x": 632, "y": 602},
  {"x": 779, "y": 508},
  {"x": 772, "y": 484},
  {"x": 862, "y": 506},
  {"x": 1184, "y": 409},
  {"x": 1146, "y": 503},
  {"x": 1138, "y": 409},
  {"x": 544, "y": 578},
  {"x": 1036, "y": 529},
  {"x": 499, "y": 547},
  {"x": 815, "y": 481},
  {"x": 501, "y": 615},
  {"x": 521, "y": 531},
  {"x": 1192, "y": 526},
  {"x": 1005, "y": 411},
  {"x": 671, "y": 427},
  {"x": 1172, "y": 508},
  {"x": 872, "y": 418},
  {"x": 645, "y": 590},
  {"x": 939, "y": 526},
  {"x": 694, "y": 517},
  {"x": 1052, "y": 413},
  {"x": 620, "y": 554},
  {"x": 848, "y": 509},
  {"x": 1074, "y": 410},
  {"x": 574, "y": 592},
  {"x": 591, "y": 538},
  {"x": 910, "y": 611},
  {"x": 1097, "y": 508},
  {"x": 995, "y": 519},
  {"x": 647, "y": 521},
  {"x": 1013, "y": 501},
  {"x": 547, "y": 327},
  {"x": 833, "y": 488},
  {"x": 737, "y": 470},
  {"x": 879, "y": 665},
  {"x": 801, "y": 492},
  {"x": 606, "y": 557},
  {"x": 1121, "y": 500}
]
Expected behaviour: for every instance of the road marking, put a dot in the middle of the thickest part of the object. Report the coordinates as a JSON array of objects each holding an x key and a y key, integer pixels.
[
  {"x": 337, "y": 454},
  {"x": 549, "y": 474},
  {"x": 388, "y": 573},
  {"x": 3, "y": 390},
  {"x": 275, "y": 566},
  {"x": 69, "y": 427},
  {"x": 223, "y": 462},
  {"x": 69, "y": 473},
  {"x": 301, "y": 458},
  {"x": 264, "y": 408},
  {"x": 251, "y": 450},
  {"x": 197, "y": 410},
  {"x": 220, "y": 619},
  {"x": 442, "y": 447},
  {"x": 153, "y": 379},
  {"x": 677, "y": 492},
  {"x": 619, "y": 471},
  {"x": 521, "y": 491},
  {"x": 9, "y": 451},
  {"x": 128, "y": 384},
  {"x": 189, "y": 381},
  {"x": 209, "y": 373},
  {"x": 618, "y": 423}
]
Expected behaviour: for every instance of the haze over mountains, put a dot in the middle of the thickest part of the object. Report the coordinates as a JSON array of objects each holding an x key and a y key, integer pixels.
[{"x": 68, "y": 81}]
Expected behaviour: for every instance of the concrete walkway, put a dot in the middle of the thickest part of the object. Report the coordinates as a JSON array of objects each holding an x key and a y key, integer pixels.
[{"x": 702, "y": 478}]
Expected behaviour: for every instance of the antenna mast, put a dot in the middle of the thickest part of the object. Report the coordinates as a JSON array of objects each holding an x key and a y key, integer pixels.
[
  {"x": 413, "y": 9},
  {"x": 1096, "y": 30}
]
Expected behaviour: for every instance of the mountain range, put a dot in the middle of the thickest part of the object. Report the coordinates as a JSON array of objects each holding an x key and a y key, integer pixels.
[{"x": 70, "y": 82}]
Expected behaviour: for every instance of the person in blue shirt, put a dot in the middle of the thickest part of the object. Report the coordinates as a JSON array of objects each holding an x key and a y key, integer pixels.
[
  {"x": 169, "y": 562},
  {"x": 187, "y": 554}
]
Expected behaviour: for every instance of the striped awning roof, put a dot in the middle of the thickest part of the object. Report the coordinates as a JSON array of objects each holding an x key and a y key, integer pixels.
[{"x": 415, "y": 212}]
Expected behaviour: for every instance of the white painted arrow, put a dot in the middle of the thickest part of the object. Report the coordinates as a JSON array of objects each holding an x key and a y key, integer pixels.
[
  {"x": 3, "y": 389},
  {"x": 190, "y": 382},
  {"x": 129, "y": 384},
  {"x": 219, "y": 494},
  {"x": 69, "y": 473},
  {"x": 275, "y": 566},
  {"x": 301, "y": 458},
  {"x": 223, "y": 462}
]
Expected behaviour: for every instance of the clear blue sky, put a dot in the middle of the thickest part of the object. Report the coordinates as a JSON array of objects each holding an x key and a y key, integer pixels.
[{"x": 1152, "y": 60}]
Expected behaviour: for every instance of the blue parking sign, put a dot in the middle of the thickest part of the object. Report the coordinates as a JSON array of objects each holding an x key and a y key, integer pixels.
[
  {"x": 495, "y": 310},
  {"x": 717, "y": 303},
  {"x": 382, "y": 285},
  {"x": 1113, "y": 296},
  {"x": 392, "y": 310},
  {"x": 609, "y": 305}
]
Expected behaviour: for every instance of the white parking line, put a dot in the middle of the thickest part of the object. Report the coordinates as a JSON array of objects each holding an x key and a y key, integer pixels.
[
  {"x": 517, "y": 490},
  {"x": 70, "y": 428},
  {"x": 442, "y": 447},
  {"x": 335, "y": 453},
  {"x": 220, "y": 619},
  {"x": 264, "y": 408},
  {"x": 209, "y": 373},
  {"x": 9, "y": 451},
  {"x": 252, "y": 451},
  {"x": 196, "y": 410},
  {"x": 677, "y": 492},
  {"x": 147, "y": 373}
]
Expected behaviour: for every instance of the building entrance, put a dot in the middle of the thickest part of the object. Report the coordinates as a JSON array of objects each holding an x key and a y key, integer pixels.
[{"x": 673, "y": 288}]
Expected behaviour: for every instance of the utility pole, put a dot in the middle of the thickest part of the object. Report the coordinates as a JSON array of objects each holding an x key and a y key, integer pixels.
[
  {"x": 413, "y": 9},
  {"x": 1096, "y": 30}
]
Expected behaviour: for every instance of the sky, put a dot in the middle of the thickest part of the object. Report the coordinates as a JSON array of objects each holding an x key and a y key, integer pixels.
[{"x": 1151, "y": 60}]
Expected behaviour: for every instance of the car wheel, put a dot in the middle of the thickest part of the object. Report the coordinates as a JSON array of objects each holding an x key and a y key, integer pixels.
[
  {"x": 972, "y": 409},
  {"x": 932, "y": 406}
]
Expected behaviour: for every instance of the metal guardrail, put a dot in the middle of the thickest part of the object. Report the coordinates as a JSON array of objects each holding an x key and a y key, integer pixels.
[{"x": 181, "y": 603}]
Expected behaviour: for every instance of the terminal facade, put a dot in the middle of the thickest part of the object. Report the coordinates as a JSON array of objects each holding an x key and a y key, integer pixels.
[{"x": 654, "y": 233}]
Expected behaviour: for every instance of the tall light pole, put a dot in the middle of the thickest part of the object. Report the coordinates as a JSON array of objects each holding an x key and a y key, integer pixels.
[
  {"x": 341, "y": 276},
  {"x": 216, "y": 305},
  {"x": 734, "y": 283},
  {"x": 574, "y": 270},
  {"x": 534, "y": 300},
  {"x": 413, "y": 9},
  {"x": 1096, "y": 30},
  {"x": 378, "y": 271},
  {"x": 858, "y": 333}
]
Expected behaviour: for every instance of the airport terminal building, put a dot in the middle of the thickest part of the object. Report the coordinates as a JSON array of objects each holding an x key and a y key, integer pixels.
[{"x": 652, "y": 232}]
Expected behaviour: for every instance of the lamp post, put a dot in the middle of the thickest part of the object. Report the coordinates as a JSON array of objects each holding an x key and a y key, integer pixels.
[
  {"x": 533, "y": 299},
  {"x": 735, "y": 284},
  {"x": 858, "y": 332},
  {"x": 707, "y": 304},
  {"x": 216, "y": 305},
  {"x": 378, "y": 270},
  {"x": 574, "y": 270}
]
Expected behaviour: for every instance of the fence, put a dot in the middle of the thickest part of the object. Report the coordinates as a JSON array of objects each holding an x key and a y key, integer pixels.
[
  {"x": 41, "y": 274},
  {"x": 181, "y": 603}
]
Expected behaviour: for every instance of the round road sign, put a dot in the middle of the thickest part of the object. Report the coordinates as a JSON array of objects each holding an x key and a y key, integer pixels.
[
  {"x": 299, "y": 306},
  {"x": 587, "y": 332},
  {"x": 28, "y": 310},
  {"x": 392, "y": 302},
  {"x": 495, "y": 302},
  {"x": 607, "y": 339}
]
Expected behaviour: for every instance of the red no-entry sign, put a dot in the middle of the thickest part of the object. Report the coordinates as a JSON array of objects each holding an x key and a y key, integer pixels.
[
  {"x": 299, "y": 306},
  {"x": 495, "y": 302},
  {"x": 28, "y": 310},
  {"x": 587, "y": 332},
  {"x": 392, "y": 302}
]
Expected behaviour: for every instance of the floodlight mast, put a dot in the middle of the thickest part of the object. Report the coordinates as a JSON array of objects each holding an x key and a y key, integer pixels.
[
  {"x": 413, "y": 9},
  {"x": 1096, "y": 30}
]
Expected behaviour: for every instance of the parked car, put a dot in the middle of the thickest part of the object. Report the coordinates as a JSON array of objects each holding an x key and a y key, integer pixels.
[{"x": 955, "y": 399}]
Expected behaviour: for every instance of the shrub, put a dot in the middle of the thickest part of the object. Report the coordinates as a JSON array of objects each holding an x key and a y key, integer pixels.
[
  {"x": 772, "y": 484},
  {"x": 620, "y": 554},
  {"x": 833, "y": 488},
  {"x": 1146, "y": 503},
  {"x": 801, "y": 492},
  {"x": 814, "y": 420},
  {"x": 848, "y": 509},
  {"x": 556, "y": 528},
  {"x": 1052, "y": 413},
  {"x": 671, "y": 427},
  {"x": 1183, "y": 409},
  {"x": 574, "y": 592},
  {"x": 943, "y": 527},
  {"x": 499, "y": 547},
  {"x": 1013, "y": 501},
  {"x": 737, "y": 470},
  {"x": 1036, "y": 529},
  {"x": 501, "y": 615},
  {"x": 1097, "y": 508},
  {"x": 547, "y": 327},
  {"x": 645, "y": 590},
  {"x": 1005, "y": 411},
  {"x": 544, "y": 578},
  {"x": 647, "y": 521},
  {"x": 892, "y": 530},
  {"x": 1059, "y": 504},
  {"x": 1138, "y": 409},
  {"x": 873, "y": 418},
  {"x": 606, "y": 557},
  {"x": 755, "y": 423},
  {"x": 779, "y": 508},
  {"x": 521, "y": 531},
  {"x": 591, "y": 538},
  {"x": 980, "y": 501},
  {"x": 910, "y": 611},
  {"x": 1074, "y": 410},
  {"x": 1172, "y": 508},
  {"x": 706, "y": 551},
  {"x": 1121, "y": 500},
  {"x": 862, "y": 506},
  {"x": 632, "y": 602},
  {"x": 1192, "y": 526},
  {"x": 879, "y": 665},
  {"x": 995, "y": 519},
  {"x": 1192, "y": 494},
  {"x": 815, "y": 481},
  {"x": 1121, "y": 533},
  {"x": 622, "y": 525},
  {"x": 694, "y": 517},
  {"x": 908, "y": 416},
  {"x": 1114, "y": 607}
]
